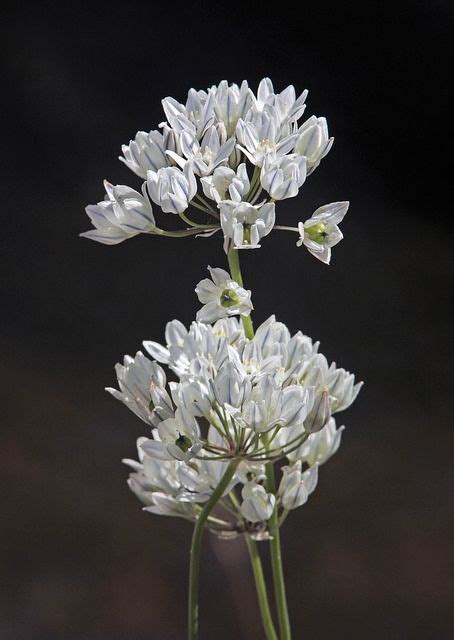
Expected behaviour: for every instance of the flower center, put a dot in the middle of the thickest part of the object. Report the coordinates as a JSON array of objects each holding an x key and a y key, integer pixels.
[
  {"x": 207, "y": 155},
  {"x": 317, "y": 233},
  {"x": 266, "y": 145},
  {"x": 229, "y": 298},
  {"x": 246, "y": 233},
  {"x": 183, "y": 442}
]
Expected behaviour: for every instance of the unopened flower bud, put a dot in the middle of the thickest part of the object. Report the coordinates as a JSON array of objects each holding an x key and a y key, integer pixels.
[
  {"x": 320, "y": 413},
  {"x": 292, "y": 491},
  {"x": 258, "y": 505}
]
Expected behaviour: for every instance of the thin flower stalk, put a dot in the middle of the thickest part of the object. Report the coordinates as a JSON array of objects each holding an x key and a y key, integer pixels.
[{"x": 196, "y": 547}]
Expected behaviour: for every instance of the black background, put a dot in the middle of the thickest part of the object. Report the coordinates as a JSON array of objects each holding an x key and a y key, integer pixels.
[{"x": 369, "y": 556}]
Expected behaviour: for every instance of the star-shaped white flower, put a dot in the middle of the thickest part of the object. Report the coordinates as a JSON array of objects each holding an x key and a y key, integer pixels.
[
  {"x": 321, "y": 231},
  {"x": 222, "y": 297},
  {"x": 313, "y": 141},
  {"x": 226, "y": 184},
  {"x": 123, "y": 214},
  {"x": 245, "y": 224},
  {"x": 172, "y": 188},
  {"x": 283, "y": 176}
]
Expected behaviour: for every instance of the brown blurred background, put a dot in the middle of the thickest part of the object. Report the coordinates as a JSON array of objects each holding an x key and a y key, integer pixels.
[{"x": 370, "y": 556}]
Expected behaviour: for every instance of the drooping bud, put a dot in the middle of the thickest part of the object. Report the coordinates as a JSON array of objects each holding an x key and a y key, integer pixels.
[
  {"x": 292, "y": 490},
  {"x": 258, "y": 505}
]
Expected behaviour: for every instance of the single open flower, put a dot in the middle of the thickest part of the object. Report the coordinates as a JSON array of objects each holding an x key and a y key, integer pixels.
[
  {"x": 296, "y": 486},
  {"x": 283, "y": 176},
  {"x": 257, "y": 505},
  {"x": 172, "y": 188},
  {"x": 123, "y": 214},
  {"x": 147, "y": 152},
  {"x": 226, "y": 184},
  {"x": 244, "y": 224},
  {"x": 313, "y": 141},
  {"x": 222, "y": 297},
  {"x": 321, "y": 231}
]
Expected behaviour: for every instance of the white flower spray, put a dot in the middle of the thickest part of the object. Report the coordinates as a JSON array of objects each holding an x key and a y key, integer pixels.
[{"x": 245, "y": 404}]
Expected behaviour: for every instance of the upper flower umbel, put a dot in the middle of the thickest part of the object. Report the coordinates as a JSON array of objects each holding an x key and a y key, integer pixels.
[{"x": 220, "y": 161}]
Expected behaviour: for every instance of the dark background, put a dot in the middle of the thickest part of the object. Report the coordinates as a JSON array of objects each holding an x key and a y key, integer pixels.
[{"x": 369, "y": 556}]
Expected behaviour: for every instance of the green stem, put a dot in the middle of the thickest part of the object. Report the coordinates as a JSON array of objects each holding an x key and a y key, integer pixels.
[
  {"x": 253, "y": 183},
  {"x": 235, "y": 272},
  {"x": 179, "y": 234},
  {"x": 199, "y": 206},
  {"x": 260, "y": 586},
  {"x": 196, "y": 546},
  {"x": 206, "y": 204},
  {"x": 185, "y": 218},
  {"x": 276, "y": 562}
]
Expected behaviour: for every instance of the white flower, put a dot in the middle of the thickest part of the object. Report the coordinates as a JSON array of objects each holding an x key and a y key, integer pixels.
[
  {"x": 206, "y": 155},
  {"x": 156, "y": 484},
  {"x": 200, "y": 478},
  {"x": 140, "y": 382},
  {"x": 342, "y": 388},
  {"x": 257, "y": 505},
  {"x": 148, "y": 151},
  {"x": 244, "y": 224},
  {"x": 321, "y": 232},
  {"x": 295, "y": 486},
  {"x": 313, "y": 141},
  {"x": 175, "y": 438},
  {"x": 231, "y": 103},
  {"x": 172, "y": 188},
  {"x": 226, "y": 184},
  {"x": 260, "y": 133},
  {"x": 195, "y": 117},
  {"x": 320, "y": 446},
  {"x": 339, "y": 383},
  {"x": 287, "y": 105},
  {"x": 221, "y": 297},
  {"x": 173, "y": 487},
  {"x": 123, "y": 214},
  {"x": 320, "y": 411},
  {"x": 283, "y": 176},
  {"x": 269, "y": 405}
]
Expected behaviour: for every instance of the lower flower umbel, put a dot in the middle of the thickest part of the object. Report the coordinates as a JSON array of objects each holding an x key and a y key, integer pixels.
[{"x": 259, "y": 400}]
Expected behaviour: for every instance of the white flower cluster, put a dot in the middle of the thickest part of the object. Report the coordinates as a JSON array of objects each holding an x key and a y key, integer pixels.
[
  {"x": 229, "y": 154},
  {"x": 263, "y": 399}
]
